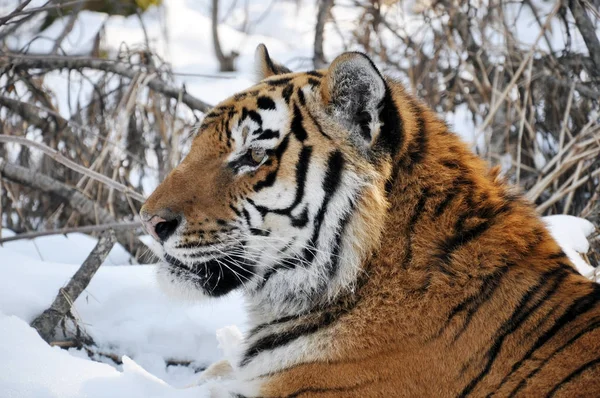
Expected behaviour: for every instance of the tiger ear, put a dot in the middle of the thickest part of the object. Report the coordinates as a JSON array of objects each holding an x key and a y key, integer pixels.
[
  {"x": 353, "y": 92},
  {"x": 265, "y": 67}
]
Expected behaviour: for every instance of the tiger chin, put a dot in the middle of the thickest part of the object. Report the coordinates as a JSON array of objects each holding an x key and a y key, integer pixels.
[{"x": 379, "y": 257}]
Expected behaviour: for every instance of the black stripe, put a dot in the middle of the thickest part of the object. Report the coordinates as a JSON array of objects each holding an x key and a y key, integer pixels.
[
  {"x": 557, "y": 256},
  {"x": 417, "y": 148},
  {"x": 301, "y": 220},
  {"x": 278, "y": 82},
  {"x": 314, "y": 73},
  {"x": 573, "y": 375},
  {"x": 255, "y": 117},
  {"x": 316, "y": 123},
  {"x": 302, "y": 166},
  {"x": 270, "y": 179},
  {"x": 462, "y": 236},
  {"x": 527, "y": 306},
  {"x": 579, "y": 307},
  {"x": 301, "y": 98},
  {"x": 331, "y": 182},
  {"x": 276, "y": 340},
  {"x": 235, "y": 211},
  {"x": 314, "y": 82},
  {"x": 259, "y": 232},
  {"x": 471, "y": 304},
  {"x": 287, "y": 93},
  {"x": 589, "y": 328},
  {"x": 268, "y": 134},
  {"x": 420, "y": 206},
  {"x": 297, "y": 127},
  {"x": 322, "y": 320},
  {"x": 337, "y": 246},
  {"x": 391, "y": 134},
  {"x": 246, "y": 217},
  {"x": 266, "y": 103}
]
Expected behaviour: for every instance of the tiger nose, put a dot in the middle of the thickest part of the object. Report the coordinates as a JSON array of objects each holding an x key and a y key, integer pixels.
[{"x": 160, "y": 225}]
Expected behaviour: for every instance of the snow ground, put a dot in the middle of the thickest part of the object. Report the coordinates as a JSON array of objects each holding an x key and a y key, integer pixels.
[{"x": 127, "y": 315}]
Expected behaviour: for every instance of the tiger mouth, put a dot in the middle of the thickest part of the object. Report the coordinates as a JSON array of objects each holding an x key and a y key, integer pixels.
[{"x": 216, "y": 277}]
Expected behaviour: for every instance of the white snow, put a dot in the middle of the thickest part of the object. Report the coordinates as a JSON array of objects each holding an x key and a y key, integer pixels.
[
  {"x": 31, "y": 368},
  {"x": 571, "y": 234}
]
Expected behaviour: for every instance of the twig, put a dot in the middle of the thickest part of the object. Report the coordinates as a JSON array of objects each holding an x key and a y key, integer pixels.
[
  {"x": 30, "y": 112},
  {"x": 15, "y": 12},
  {"x": 46, "y": 323},
  {"x": 520, "y": 70},
  {"x": 19, "y": 61},
  {"x": 79, "y": 202},
  {"x": 54, "y": 154},
  {"x": 46, "y": 7},
  {"x": 84, "y": 229},
  {"x": 67, "y": 29},
  {"x": 319, "y": 60},
  {"x": 226, "y": 62},
  {"x": 559, "y": 195},
  {"x": 588, "y": 32}
]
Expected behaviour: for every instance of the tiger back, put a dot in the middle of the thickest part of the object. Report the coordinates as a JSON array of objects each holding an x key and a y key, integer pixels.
[{"x": 378, "y": 255}]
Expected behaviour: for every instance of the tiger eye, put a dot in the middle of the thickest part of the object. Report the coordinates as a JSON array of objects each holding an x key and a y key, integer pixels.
[{"x": 258, "y": 155}]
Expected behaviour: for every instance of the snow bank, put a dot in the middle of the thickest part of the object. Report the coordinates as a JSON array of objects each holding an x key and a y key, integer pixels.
[
  {"x": 124, "y": 311},
  {"x": 31, "y": 368}
]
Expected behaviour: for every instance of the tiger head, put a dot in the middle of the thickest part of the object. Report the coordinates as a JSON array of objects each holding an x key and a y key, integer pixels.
[{"x": 283, "y": 192}]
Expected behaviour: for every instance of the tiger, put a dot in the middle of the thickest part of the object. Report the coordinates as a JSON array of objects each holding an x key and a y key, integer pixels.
[{"x": 378, "y": 255}]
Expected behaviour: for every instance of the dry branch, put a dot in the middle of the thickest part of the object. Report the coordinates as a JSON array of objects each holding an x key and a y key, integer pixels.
[
  {"x": 319, "y": 60},
  {"x": 20, "y": 61},
  {"x": 15, "y": 12},
  {"x": 226, "y": 62},
  {"x": 85, "y": 229},
  {"x": 46, "y": 323},
  {"x": 86, "y": 207},
  {"x": 588, "y": 32},
  {"x": 54, "y": 154},
  {"x": 79, "y": 202}
]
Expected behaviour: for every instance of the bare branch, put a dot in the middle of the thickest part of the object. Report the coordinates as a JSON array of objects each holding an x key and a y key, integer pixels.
[
  {"x": 85, "y": 229},
  {"x": 46, "y": 323},
  {"x": 86, "y": 207},
  {"x": 54, "y": 154},
  {"x": 588, "y": 32},
  {"x": 20, "y": 61},
  {"x": 16, "y": 12},
  {"x": 319, "y": 60},
  {"x": 225, "y": 61},
  {"x": 78, "y": 201}
]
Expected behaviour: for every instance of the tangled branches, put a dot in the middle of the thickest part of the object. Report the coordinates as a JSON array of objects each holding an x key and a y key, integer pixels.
[{"x": 523, "y": 75}]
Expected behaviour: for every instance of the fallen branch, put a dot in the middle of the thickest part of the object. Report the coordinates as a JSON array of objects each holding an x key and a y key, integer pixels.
[
  {"x": 54, "y": 154},
  {"x": 78, "y": 201},
  {"x": 84, "y": 229},
  {"x": 46, "y": 323},
  {"x": 20, "y": 61}
]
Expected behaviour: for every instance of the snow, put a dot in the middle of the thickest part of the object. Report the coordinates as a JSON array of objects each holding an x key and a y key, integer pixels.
[
  {"x": 31, "y": 368},
  {"x": 571, "y": 234}
]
